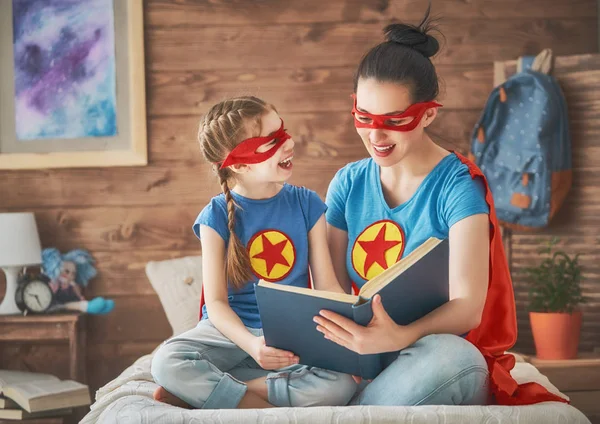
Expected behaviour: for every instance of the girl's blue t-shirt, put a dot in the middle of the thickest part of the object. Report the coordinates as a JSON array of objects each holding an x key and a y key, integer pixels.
[
  {"x": 275, "y": 233},
  {"x": 379, "y": 236}
]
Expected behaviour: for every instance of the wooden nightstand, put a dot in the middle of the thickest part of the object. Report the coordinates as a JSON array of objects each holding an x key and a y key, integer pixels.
[
  {"x": 577, "y": 378},
  {"x": 52, "y": 327},
  {"x": 34, "y": 329}
]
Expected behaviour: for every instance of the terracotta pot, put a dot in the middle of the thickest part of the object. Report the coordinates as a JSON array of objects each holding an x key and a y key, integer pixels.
[{"x": 556, "y": 335}]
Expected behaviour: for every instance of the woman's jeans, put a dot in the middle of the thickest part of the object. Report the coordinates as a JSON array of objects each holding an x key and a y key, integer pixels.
[
  {"x": 439, "y": 369},
  {"x": 205, "y": 369}
]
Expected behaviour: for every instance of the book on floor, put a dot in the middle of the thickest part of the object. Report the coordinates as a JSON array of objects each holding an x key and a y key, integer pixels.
[
  {"x": 20, "y": 414},
  {"x": 409, "y": 290},
  {"x": 35, "y": 392}
]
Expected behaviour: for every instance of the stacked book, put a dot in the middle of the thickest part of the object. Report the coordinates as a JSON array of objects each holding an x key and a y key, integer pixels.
[{"x": 25, "y": 395}]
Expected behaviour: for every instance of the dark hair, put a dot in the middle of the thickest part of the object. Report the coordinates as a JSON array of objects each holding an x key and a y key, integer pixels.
[{"x": 404, "y": 59}]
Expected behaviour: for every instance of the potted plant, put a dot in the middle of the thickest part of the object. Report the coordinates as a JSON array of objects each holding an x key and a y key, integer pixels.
[{"x": 554, "y": 296}]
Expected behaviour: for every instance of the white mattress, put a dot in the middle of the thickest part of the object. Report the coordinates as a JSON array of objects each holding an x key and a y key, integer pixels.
[{"x": 128, "y": 399}]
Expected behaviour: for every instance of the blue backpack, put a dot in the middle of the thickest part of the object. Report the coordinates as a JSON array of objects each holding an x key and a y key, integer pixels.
[{"x": 522, "y": 145}]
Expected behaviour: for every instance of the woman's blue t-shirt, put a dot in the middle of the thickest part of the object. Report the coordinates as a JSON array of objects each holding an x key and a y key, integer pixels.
[{"x": 379, "y": 236}]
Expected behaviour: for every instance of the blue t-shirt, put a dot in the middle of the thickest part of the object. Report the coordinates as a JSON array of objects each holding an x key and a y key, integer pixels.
[
  {"x": 379, "y": 236},
  {"x": 275, "y": 233}
]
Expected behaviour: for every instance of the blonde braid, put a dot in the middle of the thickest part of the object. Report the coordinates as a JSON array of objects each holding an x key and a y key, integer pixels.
[
  {"x": 223, "y": 127},
  {"x": 239, "y": 267}
]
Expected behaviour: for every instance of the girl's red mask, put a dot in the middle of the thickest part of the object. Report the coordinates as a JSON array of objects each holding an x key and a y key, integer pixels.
[
  {"x": 245, "y": 152},
  {"x": 415, "y": 111}
]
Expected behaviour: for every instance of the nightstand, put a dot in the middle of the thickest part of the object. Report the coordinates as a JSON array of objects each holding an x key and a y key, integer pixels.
[
  {"x": 67, "y": 327},
  {"x": 35, "y": 329},
  {"x": 577, "y": 378}
]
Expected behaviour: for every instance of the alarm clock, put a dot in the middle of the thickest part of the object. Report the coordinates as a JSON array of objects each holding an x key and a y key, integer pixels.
[{"x": 34, "y": 293}]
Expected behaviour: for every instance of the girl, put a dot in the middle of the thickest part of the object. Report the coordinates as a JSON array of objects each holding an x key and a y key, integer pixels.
[
  {"x": 412, "y": 187},
  {"x": 259, "y": 227}
]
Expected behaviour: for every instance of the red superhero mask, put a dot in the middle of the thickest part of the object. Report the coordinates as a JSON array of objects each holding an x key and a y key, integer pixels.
[
  {"x": 415, "y": 111},
  {"x": 245, "y": 152}
]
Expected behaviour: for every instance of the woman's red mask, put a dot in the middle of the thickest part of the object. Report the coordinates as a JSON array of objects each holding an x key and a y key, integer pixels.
[
  {"x": 245, "y": 152},
  {"x": 415, "y": 111}
]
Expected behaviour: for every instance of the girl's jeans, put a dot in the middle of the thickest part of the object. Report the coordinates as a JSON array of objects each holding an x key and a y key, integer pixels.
[{"x": 200, "y": 367}]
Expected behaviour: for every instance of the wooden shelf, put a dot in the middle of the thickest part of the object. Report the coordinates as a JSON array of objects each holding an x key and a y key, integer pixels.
[
  {"x": 577, "y": 378},
  {"x": 63, "y": 327}
]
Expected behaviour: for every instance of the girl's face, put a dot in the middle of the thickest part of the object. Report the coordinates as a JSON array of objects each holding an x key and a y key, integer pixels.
[
  {"x": 278, "y": 168},
  {"x": 388, "y": 147}
]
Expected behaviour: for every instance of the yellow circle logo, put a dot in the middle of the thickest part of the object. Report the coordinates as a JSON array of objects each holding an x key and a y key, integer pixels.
[
  {"x": 378, "y": 247},
  {"x": 272, "y": 255}
]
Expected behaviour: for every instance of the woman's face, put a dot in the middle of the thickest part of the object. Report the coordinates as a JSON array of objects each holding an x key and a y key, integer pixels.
[{"x": 388, "y": 147}]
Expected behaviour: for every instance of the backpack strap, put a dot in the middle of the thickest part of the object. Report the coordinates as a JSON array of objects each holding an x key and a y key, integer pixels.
[{"x": 524, "y": 63}]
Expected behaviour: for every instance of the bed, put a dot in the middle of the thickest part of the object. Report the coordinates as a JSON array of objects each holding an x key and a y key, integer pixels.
[{"x": 128, "y": 398}]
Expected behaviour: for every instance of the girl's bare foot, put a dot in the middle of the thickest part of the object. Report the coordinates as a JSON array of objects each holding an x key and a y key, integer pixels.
[{"x": 161, "y": 395}]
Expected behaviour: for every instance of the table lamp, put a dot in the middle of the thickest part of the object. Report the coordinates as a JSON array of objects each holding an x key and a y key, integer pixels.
[{"x": 19, "y": 247}]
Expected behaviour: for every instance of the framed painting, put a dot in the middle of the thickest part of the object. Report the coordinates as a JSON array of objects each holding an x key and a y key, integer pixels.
[{"x": 72, "y": 85}]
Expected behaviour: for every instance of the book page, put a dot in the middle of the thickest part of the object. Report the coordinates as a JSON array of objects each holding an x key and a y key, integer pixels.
[
  {"x": 371, "y": 287},
  {"x": 340, "y": 297},
  {"x": 9, "y": 377},
  {"x": 6, "y": 403}
]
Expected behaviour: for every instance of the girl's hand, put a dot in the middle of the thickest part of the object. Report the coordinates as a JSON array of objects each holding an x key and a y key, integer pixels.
[
  {"x": 270, "y": 358},
  {"x": 382, "y": 334}
]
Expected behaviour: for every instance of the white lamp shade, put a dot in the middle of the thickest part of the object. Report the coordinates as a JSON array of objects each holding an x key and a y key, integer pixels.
[{"x": 19, "y": 240}]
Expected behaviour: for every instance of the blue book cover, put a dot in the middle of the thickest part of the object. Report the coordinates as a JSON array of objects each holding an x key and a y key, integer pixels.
[{"x": 410, "y": 289}]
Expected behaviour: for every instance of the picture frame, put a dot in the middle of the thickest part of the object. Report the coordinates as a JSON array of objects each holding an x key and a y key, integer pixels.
[{"x": 44, "y": 134}]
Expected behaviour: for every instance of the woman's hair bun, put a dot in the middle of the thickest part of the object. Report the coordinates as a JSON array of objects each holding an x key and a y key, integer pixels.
[{"x": 416, "y": 37}]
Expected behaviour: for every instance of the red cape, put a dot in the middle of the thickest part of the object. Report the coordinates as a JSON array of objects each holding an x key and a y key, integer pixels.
[{"x": 497, "y": 331}]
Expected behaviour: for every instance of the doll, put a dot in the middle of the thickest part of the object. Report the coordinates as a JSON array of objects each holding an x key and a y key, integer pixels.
[{"x": 68, "y": 273}]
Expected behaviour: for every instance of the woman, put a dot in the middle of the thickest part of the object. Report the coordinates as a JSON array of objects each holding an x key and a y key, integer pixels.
[{"x": 381, "y": 208}]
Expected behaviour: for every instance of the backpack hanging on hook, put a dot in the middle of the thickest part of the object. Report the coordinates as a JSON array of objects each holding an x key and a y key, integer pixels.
[{"x": 522, "y": 145}]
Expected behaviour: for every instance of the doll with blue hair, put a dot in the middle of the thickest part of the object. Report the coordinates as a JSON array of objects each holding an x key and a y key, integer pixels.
[{"x": 68, "y": 273}]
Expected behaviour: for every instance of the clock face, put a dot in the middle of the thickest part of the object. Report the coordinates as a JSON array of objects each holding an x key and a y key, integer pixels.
[{"x": 37, "y": 296}]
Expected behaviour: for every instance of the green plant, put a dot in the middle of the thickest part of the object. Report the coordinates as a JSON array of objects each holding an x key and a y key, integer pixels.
[{"x": 555, "y": 282}]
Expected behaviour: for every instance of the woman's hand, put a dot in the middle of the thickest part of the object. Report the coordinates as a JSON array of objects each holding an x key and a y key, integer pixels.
[
  {"x": 270, "y": 358},
  {"x": 382, "y": 334}
]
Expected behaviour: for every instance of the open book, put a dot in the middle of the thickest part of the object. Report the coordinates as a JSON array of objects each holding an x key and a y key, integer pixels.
[
  {"x": 409, "y": 290},
  {"x": 35, "y": 392}
]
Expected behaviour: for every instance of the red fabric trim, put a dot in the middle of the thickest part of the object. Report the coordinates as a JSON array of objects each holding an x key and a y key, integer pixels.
[{"x": 497, "y": 331}]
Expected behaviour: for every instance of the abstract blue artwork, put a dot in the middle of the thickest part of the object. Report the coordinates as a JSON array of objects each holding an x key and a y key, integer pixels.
[{"x": 64, "y": 67}]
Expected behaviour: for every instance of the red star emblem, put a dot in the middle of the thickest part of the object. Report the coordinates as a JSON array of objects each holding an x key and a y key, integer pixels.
[
  {"x": 272, "y": 253},
  {"x": 376, "y": 249}
]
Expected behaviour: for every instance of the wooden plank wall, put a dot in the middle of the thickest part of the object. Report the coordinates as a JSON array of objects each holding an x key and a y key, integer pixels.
[
  {"x": 577, "y": 223},
  {"x": 299, "y": 55}
]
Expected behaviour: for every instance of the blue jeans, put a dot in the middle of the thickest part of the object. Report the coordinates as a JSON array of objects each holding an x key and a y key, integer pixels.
[
  {"x": 205, "y": 369},
  {"x": 439, "y": 369}
]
